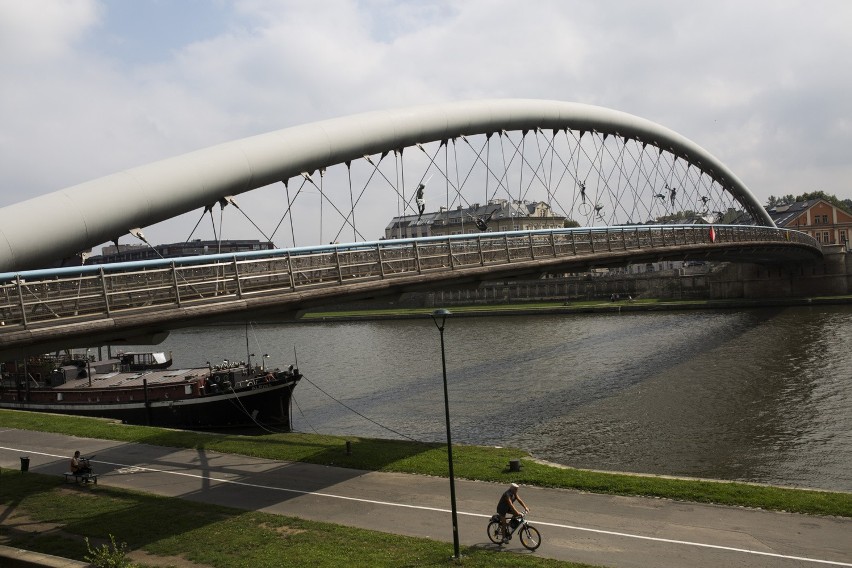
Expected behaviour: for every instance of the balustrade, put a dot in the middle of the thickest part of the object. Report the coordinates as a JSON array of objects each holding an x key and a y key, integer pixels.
[{"x": 44, "y": 298}]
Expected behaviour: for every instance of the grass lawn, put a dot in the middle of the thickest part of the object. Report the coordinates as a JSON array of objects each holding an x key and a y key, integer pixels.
[
  {"x": 43, "y": 514},
  {"x": 470, "y": 462}
]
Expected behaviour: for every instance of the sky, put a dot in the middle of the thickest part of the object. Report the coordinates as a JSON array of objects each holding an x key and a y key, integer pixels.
[{"x": 92, "y": 87}]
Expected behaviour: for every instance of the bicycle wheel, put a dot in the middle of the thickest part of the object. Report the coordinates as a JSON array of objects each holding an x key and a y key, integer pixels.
[
  {"x": 495, "y": 534},
  {"x": 530, "y": 537}
]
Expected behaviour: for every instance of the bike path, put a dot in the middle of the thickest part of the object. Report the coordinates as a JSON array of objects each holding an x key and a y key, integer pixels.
[{"x": 596, "y": 529}]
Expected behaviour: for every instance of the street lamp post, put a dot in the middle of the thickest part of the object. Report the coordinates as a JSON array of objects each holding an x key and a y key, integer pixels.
[{"x": 441, "y": 315}]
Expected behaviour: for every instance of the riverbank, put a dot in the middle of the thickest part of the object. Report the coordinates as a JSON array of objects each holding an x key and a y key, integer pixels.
[
  {"x": 470, "y": 462},
  {"x": 570, "y": 307}
]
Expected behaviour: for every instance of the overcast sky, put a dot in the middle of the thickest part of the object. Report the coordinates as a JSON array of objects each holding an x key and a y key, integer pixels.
[{"x": 91, "y": 87}]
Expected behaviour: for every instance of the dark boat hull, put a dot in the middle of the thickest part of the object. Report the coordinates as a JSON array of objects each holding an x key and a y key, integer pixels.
[{"x": 266, "y": 404}]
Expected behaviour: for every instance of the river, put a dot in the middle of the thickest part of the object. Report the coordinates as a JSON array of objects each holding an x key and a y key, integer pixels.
[{"x": 761, "y": 395}]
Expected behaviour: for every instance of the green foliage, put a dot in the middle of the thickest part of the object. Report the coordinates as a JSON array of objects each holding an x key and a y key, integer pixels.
[
  {"x": 679, "y": 217},
  {"x": 105, "y": 556},
  {"x": 782, "y": 200}
]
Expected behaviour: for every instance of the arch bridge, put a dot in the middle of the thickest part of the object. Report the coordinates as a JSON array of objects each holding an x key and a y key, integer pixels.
[{"x": 417, "y": 192}]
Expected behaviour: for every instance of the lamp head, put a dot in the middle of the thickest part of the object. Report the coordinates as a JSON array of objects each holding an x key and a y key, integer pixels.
[{"x": 440, "y": 314}]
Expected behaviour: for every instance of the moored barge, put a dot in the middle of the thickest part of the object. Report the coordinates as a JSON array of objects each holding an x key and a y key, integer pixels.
[{"x": 230, "y": 394}]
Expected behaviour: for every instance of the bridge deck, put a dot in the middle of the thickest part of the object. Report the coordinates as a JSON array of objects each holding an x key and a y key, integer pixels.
[{"x": 108, "y": 303}]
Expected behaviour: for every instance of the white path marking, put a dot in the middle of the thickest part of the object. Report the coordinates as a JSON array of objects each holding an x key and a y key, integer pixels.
[{"x": 131, "y": 469}]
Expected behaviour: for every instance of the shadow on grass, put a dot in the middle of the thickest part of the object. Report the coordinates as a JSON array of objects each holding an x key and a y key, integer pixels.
[{"x": 59, "y": 515}]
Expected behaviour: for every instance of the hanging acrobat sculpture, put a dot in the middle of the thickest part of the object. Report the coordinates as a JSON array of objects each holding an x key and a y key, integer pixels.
[
  {"x": 421, "y": 203},
  {"x": 482, "y": 222},
  {"x": 672, "y": 193},
  {"x": 419, "y": 199}
]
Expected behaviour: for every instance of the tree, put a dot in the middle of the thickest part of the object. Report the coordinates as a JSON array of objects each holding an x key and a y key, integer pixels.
[{"x": 773, "y": 201}]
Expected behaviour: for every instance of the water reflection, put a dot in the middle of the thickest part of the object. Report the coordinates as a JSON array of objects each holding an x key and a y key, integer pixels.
[{"x": 758, "y": 395}]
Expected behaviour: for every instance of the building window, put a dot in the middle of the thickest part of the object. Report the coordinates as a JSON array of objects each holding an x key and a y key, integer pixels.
[
  {"x": 843, "y": 236},
  {"x": 825, "y": 219},
  {"x": 825, "y": 237}
]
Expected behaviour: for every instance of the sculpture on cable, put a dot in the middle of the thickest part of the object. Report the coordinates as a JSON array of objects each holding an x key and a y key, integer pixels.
[
  {"x": 421, "y": 201},
  {"x": 672, "y": 193},
  {"x": 482, "y": 222}
]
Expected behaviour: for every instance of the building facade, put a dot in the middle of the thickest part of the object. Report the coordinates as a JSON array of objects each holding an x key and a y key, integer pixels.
[
  {"x": 818, "y": 218},
  {"x": 498, "y": 215},
  {"x": 128, "y": 253}
]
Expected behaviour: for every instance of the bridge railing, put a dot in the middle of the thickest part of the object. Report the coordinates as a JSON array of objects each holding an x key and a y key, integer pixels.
[{"x": 68, "y": 295}]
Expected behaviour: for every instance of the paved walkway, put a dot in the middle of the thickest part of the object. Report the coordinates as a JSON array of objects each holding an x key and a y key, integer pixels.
[{"x": 622, "y": 532}]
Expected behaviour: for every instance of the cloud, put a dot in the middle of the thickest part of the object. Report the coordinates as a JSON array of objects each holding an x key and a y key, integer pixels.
[
  {"x": 42, "y": 30},
  {"x": 90, "y": 87}
]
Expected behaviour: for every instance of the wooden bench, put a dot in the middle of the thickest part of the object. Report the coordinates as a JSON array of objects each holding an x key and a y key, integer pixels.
[{"x": 78, "y": 477}]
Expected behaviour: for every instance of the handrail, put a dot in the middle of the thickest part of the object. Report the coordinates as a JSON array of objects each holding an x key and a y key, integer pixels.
[{"x": 43, "y": 298}]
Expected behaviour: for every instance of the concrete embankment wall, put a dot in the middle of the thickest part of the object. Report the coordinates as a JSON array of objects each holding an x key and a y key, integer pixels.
[
  {"x": 830, "y": 277},
  {"x": 18, "y": 558}
]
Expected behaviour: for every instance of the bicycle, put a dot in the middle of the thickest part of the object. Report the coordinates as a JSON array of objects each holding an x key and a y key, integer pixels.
[{"x": 530, "y": 537}]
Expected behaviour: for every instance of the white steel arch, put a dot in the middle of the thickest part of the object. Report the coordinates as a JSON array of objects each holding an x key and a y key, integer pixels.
[{"x": 60, "y": 224}]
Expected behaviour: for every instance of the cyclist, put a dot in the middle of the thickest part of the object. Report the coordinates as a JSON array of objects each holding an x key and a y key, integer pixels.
[{"x": 506, "y": 504}]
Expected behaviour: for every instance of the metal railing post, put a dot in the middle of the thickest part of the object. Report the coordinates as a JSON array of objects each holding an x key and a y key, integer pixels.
[
  {"x": 290, "y": 271},
  {"x": 21, "y": 301},
  {"x": 381, "y": 262},
  {"x": 237, "y": 279},
  {"x": 532, "y": 250},
  {"x": 417, "y": 258},
  {"x": 175, "y": 281},
  {"x": 481, "y": 254},
  {"x": 450, "y": 252},
  {"x": 506, "y": 244},
  {"x": 104, "y": 288},
  {"x": 339, "y": 269}
]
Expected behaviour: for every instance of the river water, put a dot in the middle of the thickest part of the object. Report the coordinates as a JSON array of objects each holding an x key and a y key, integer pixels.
[{"x": 760, "y": 395}]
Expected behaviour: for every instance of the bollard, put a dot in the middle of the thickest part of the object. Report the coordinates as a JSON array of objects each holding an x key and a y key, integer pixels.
[
  {"x": 514, "y": 465},
  {"x": 348, "y": 448},
  {"x": 25, "y": 464}
]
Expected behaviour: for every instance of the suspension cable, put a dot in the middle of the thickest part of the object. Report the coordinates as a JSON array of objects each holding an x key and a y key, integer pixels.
[{"x": 359, "y": 414}]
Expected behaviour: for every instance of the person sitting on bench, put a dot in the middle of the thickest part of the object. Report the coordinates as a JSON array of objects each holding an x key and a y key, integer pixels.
[{"x": 80, "y": 466}]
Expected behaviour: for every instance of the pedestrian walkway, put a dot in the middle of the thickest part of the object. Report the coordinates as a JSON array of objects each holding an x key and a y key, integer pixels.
[{"x": 596, "y": 529}]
